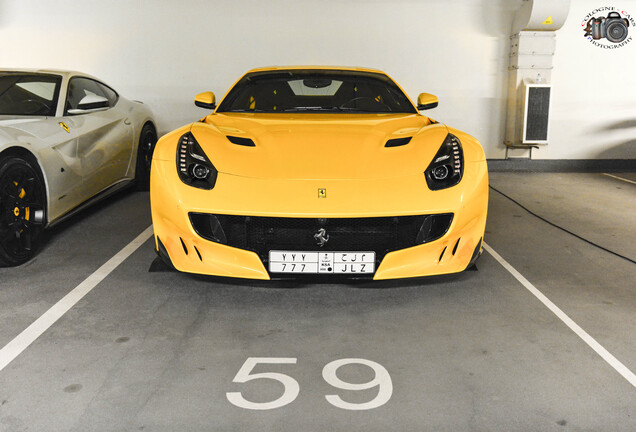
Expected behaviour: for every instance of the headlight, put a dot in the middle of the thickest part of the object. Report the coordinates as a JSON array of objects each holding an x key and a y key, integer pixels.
[
  {"x": 447, "y": 166},
  {"x": 193, "y": 166}
]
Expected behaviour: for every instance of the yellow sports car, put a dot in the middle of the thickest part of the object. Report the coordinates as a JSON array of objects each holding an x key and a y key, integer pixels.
[{"x": 318, "y": 170}]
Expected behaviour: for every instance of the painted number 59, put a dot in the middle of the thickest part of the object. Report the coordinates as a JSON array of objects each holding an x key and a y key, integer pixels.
[{"x": 382, "y": 380}]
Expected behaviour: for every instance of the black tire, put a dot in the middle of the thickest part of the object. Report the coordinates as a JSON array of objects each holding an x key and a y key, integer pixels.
[
  {"x": 22, "y": 210},
  {"x": 147, "y": 141}
]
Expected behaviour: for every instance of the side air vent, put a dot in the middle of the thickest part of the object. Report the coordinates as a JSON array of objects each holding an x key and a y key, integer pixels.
[
  {"x": 456, "y": 244},
  {"x": 396, "y": 142},
  {"x": 198, "y": 253},
  {"x": 442, "y": 254},
  {"x": 241, "y": 141},
  {"x": 185, "y": 249}
]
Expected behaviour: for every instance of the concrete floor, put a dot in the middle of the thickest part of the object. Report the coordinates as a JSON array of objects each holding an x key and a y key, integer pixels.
[{"x": 470, "y": 352}]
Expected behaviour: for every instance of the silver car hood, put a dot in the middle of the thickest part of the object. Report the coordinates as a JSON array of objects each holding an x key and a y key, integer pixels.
[{"x": 11, "y": 128}]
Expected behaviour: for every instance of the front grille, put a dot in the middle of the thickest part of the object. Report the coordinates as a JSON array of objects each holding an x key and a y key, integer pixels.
[{"x": 378, "y": 234}]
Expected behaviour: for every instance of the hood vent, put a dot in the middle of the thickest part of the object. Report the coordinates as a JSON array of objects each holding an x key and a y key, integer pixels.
[
  {"x": 396, "y": 142},
  {"x": 241, "y": 141}
]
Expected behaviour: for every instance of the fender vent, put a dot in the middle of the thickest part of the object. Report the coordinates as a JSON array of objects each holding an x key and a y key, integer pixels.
[
  {"x": 396, "y": 142},
  {"x": 185, "y": 249},
  {"x": 198, "y": 253},
  {"x": 442, "y": 254},
  {"x": 456, "y": 244},
  {"x": 241, "y": 141}
]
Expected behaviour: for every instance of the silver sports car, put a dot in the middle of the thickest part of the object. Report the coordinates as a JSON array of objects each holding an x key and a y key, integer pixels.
[{"x": 66, "y": 140}]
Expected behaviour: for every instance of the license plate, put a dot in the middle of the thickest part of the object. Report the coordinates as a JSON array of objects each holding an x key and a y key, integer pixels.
[{"x": 321, "y": 262}]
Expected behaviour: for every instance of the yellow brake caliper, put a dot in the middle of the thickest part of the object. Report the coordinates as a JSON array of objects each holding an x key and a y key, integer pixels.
[{"x": 27, "y": 210}]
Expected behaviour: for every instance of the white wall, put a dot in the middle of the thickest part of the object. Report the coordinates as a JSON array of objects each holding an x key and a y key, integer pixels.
[
  {"x": 594, "y": 105},
  {"x": 164, "y": 52}
]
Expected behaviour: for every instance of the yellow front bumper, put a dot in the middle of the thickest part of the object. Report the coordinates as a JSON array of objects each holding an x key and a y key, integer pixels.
[{"x": 172, "y": 200}]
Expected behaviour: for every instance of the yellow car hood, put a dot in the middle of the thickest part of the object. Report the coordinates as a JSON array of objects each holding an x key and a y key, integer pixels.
[{"x": 319, "y": 146}]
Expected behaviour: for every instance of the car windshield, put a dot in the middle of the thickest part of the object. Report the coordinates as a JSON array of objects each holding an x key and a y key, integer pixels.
[
  {"x": 316, "y": 91},
  {"x": 28, "y": 94}
]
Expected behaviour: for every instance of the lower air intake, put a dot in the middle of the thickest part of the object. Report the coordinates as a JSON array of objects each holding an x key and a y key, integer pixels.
[{"x": 378, "y": 234}]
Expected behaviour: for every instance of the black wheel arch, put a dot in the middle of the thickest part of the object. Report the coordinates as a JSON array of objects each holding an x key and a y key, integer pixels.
[
  {"x": 152, "y": 125},
  {"x": 142, "y": 172}
]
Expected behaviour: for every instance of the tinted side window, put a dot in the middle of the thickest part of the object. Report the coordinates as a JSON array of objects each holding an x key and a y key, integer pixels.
[
  {"x": 109, "y": 93},
  {"x": 79, "y": 87}
]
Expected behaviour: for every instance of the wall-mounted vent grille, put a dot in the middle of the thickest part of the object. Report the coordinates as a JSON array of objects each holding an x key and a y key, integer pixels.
[{"x": 536, "y": 116}]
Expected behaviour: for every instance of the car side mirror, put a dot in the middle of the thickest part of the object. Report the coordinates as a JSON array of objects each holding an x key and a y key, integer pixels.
[
  {"x": 426, "y": 101},
  {"x": 205, "y": 100},
  {"x": 90, "y": 103}
]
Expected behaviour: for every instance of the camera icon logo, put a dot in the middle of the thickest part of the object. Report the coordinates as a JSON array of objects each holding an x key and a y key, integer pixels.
[{"x": 614, "y": 28}]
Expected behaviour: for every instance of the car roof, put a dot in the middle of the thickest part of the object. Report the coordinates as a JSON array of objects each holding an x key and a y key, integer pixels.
[
  {"x": 60, "y": 72},
  {"x": 284, "y": 68}
]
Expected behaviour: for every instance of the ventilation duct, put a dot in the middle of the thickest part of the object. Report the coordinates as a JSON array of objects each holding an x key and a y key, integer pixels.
[{"x": 532, "y": 50}]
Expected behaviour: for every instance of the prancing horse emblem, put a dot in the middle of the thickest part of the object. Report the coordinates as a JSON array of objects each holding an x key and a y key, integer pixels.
[{"x": 321, "y": 237}]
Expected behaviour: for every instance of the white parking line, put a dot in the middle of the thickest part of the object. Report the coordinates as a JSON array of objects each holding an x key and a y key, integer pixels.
[
  {"x": 609, "y": 358},
  {"x": 22, "y": 341},
  {"x": 620, "y": 178}
]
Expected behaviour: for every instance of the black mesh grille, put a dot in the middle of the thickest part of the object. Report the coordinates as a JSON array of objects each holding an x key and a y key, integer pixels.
[{"x": 378, "y": 234}]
